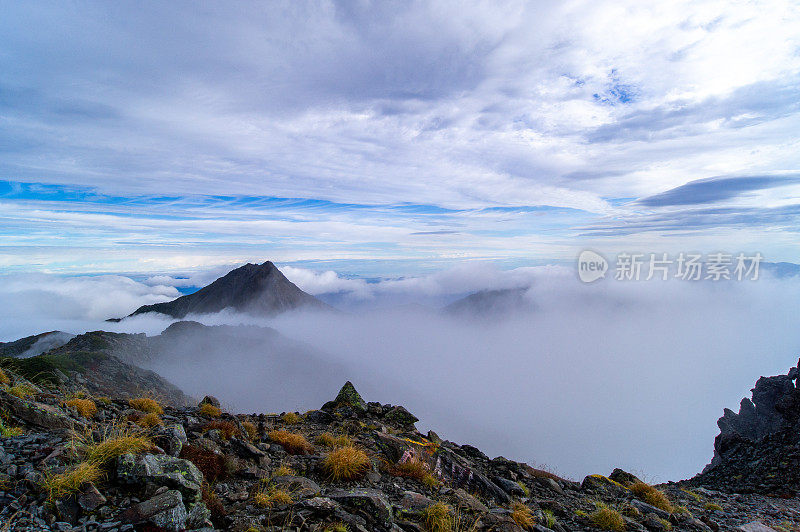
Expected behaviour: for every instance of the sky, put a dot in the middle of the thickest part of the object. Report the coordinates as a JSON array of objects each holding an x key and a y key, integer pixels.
[{"x": 380, "y": 139}]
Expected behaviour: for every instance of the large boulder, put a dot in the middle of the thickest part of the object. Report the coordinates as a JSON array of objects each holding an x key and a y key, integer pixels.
[
  {"x": 161, "y": 470},
  {"x": 165, "y": 510},
  {"x": 347, "y": 397},
  {"x": 368, "y": 503}
]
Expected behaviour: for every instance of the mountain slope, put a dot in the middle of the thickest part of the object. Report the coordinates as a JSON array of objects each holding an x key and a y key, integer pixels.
[
  {"x": 489, "y": 303},
  {"x": 253, "y": 288}
]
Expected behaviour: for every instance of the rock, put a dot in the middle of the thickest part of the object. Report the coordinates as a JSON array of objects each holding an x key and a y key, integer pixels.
[
  {"x": 165, "y": 510},
  {"x": 246, "y": 449},
  {"x": 509, "y": 486},
  {"x": 651, "y": 522},
  {"x": 400, "y": 416},
  {"x": 40, "y": 414},
  {"x": 369, "y": 503},
  {"x": 198, "y": 516},
  {"x": 89, "y": 499},
  {"x": 171, "y": 439},
  {"x": 348, "y": 396},
  {"x": 319, "y": 416},
  {"x": 210, "y": 400},
  {"x": 602, "y": 485},
  {"x": 162, "y": 470},
  {"x": 299, "y": 487},
  {"x": 649, "y": 509},
  {"x": 414, "y": 501},
  {"x": 319, "y": 504},
  {"x": 755, "y": 526},
  {"x": 623, "y": 477}
]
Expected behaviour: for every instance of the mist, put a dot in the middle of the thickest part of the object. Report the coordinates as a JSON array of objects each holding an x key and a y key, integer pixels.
[{"x": 589, "y": 378}]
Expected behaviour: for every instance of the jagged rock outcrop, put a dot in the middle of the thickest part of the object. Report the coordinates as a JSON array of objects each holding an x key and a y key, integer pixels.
[
  {"x": 758, "y": 448},
  {"x": 253, "y": 288}
]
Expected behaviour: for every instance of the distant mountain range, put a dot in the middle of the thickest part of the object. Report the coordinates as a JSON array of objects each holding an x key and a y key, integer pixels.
[{"x": 259, "y": 289}]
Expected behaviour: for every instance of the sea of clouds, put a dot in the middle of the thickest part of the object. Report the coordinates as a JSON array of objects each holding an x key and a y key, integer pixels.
[{"x": 590, "y": 377}]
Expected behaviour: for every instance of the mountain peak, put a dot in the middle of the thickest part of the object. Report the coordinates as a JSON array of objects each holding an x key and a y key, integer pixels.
[{"x": 259, "y": 289}]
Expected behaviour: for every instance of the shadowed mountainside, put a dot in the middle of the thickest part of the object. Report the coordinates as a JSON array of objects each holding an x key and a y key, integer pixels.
[{"x": 259, "y": 289}]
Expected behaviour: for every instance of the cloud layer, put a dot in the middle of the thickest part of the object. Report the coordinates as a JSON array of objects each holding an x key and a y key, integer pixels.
[{"x": 427, "y": 131}]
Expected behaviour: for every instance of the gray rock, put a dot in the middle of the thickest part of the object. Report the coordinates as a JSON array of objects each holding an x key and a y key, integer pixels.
[
  {"x": 369, "y": 503},
  {"x": 509, "y": 486},
  {"x": 649, "y": 509},
  {"x": 755, "y": 526},
  {"x": 171, "y": 439},
  {"x": 198, "y": 516},
  {"x": 165, "y": 510},
  {"x": 299, "y": 487},
  {"x": 162, "y": 470},
  {"x": 89, "y": 499},
  {"x": 210, "y": 400}
]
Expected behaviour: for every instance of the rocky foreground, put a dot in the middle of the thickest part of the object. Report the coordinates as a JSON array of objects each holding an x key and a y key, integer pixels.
[{"x": 74, "y": 460}]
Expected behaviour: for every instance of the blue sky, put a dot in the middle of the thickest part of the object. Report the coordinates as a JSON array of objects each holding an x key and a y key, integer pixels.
[{"x": 389, "y": 139}]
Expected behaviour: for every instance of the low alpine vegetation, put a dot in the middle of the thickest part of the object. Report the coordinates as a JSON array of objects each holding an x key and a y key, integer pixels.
[
  {"x": 64, "y": 484},
  {"x": 117, "y": 440},
  {"x": 85, "y": 407},
  {"x": 291, "y": 442},
  {"x": 291, "y": 418},
  {"x": 148, "y": 405},
  {"x": 607, "y": 518},
  {"x": 270, "y": 497},
  {"x": 4, "y": 379},
  {"x": 521, "y": 515},
  {"x": 150, "y": 420},
  {"x": 346, "y": 463},
  {"x": 438, "y": 518},
  {"x": 652, "y": 496},
  {"x": 327, "y": 439},
  {"x": 208, "y": 410}
]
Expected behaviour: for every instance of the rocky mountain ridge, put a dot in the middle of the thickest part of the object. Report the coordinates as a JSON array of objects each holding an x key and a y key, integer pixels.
[
  {"x": 259, "y": 289},
  {"x": 72, "y": 460}
]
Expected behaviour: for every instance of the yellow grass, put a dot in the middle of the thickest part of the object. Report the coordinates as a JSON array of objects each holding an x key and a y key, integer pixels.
[
  {"x": 4, "y": 380},
  {"x": 21, "y": 390},
  {"x": 250, "y": 429},
  {"x": 290, "y": 418},
  {"x": 521, "y": 515},
  {"x": 150, "y": 420},
  {"x": 116, "y": 442},
  {"x": 346, "y": 463},
  {"x": 85, "y": 407},
  {"x": 652, "y": 496},
  {"x": 272, "y": 497},
  {"x": 209, "y": 410},
  {"x": 331, "y": 440},
  {"x": 69, "y": 482},
  {"x": 437, "y": 518},
  {"x": 607, "y": 519},
  {"x": 284, "y": 471},
  {"x": 147, "y": 405},
  {"x": 292, "y": 442}
]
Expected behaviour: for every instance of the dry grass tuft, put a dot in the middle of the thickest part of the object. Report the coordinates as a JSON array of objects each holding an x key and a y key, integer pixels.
[
  {"x": 69, "y": 482},
  {"x": 652, "y": 496},
  {"x": 85, "y": 407},
  {"x": 522, "y": 515},
  {"x": 250, "y": 428},
  {"x": 227, "y": 429},
  {"x": 416, "y": 469},
  {"x": 116, "y": 441},
  {"x": 9, "y": 432},
  {"x": 437, "y": 518},
  {"x": 714, "y": 507},
  {"x": 331, "y": 440},
  {"x": 148, "y": 405},
  {"x": 607, "y": 519},
  {"x": 285, "y": 471},
  {"x": 292, "y": 442},
  {"x": 4, "y": 379},
  {"x": 291, "y": 418},
  {"x": 21, "y": 390},
  {"x": 150, "y": 420},
  {"x": 208, "y": 410},
  {"x": 272, "y": 497},
  {"x": 346, "y": 463}
]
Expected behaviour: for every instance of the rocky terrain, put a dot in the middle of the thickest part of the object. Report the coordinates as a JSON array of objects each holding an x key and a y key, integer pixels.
[{"x": 71, "y": 459}]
